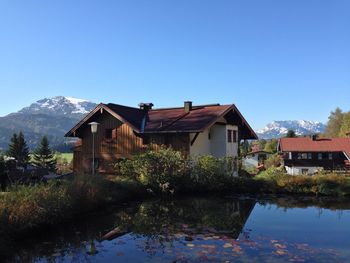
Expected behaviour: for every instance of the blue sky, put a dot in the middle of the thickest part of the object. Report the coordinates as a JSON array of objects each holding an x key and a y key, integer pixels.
[{"x": 274, "y": 59}]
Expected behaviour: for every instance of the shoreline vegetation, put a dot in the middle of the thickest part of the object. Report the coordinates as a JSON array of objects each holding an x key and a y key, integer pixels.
[{"x": 162, "y": 174}]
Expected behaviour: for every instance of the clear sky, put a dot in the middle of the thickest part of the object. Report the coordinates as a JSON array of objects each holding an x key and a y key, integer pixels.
[{"x": 276, "y": 60}]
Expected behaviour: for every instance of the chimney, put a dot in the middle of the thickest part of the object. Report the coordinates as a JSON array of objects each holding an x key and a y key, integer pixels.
[
  {"x": 348, "y": 134},
  {"x": 145, "y": 106},
  {"x": 188, "y": 106},
  {"x": 314, "y": 137}
]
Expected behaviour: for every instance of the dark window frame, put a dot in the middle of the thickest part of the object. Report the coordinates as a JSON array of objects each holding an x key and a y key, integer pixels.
[
  {"x": 229, "y": 136},
  {"x": 108, "y": 134}
]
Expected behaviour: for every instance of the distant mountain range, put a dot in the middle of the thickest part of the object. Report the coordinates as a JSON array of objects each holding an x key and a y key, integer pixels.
[
  {"x": 50, "y": 116},
  {"x": 277, "y": 129},
  {"x": 55, "y": 116}
]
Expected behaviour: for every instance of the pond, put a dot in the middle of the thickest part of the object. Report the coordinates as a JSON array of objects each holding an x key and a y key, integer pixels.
[{"x": 200, "y": 229}]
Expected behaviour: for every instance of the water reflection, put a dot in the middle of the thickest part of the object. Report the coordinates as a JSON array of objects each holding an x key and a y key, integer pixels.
[{"x": 190, "y": 230}]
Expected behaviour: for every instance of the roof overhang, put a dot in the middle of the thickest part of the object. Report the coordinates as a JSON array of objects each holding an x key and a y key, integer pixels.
[{"x": 98, "y": 108}]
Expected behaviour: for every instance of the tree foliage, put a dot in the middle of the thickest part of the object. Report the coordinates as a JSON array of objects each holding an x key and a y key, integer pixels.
[
  {"x": 345, "y": 125},
  {"x": 18, "y": 149},
  {"x": 291, "y": 134},
  {"x": 43, "y": 156},
  {"x": 271, "y": 146},
  {"x": 335, "y": 121},
  {"x": 245, "y": 147}
]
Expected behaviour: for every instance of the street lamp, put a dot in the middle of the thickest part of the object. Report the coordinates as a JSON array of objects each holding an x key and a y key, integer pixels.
[{"x": 93, "y": 126}]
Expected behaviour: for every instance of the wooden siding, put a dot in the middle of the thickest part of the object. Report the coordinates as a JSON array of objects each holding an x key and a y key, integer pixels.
[{"x": 123, "y": 144}]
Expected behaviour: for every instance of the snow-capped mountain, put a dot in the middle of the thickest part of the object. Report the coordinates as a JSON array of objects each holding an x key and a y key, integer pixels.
[
  {"x": 50, "y": 116},
  {"x": 278, "y": 129},
  {"x": 60, "y": 106}
]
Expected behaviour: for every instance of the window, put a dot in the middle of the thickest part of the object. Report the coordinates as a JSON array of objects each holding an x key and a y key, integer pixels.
[
  {"x": 234, "y": 136},
  {"x": 299, "y": 156},
  {"x": 108, "y": 133},
  {"x": 229, "y": 135},
  {"x": 309, "y": 156},
  {"x": 290, "y": 156},
  {"x": 304, "y": 156},
  {"x": 319, "y": 156},
  {"x": 330, "y": 156}
]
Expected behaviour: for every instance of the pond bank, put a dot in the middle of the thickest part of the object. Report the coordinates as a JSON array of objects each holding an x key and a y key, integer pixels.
[{"x": 25, "y": 209}]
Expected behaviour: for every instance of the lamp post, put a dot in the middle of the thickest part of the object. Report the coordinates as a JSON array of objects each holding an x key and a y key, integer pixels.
[{"x": 93, "y": 126}]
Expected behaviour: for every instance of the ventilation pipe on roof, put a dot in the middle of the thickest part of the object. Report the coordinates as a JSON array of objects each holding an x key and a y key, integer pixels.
[
  {"x": 145, "y": 106},
  {"x": 188, "y": 106}
]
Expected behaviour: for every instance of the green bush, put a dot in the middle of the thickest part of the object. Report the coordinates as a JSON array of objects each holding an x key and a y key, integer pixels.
[
  {"x": 273, "y": 161},
  {"x": 163, "y": 170},
  {"x": 167, "y": 170},
  {"x": 212, "y": 174}
]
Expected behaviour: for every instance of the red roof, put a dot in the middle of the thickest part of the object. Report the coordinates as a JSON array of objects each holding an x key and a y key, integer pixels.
[
  {"x": 306, "y": 144},
  {"x": 170, "y": 120},
  {"x": 176, "y": 119}
]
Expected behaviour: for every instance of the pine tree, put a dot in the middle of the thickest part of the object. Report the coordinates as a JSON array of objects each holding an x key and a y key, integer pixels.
[
  {"x": 291, "y": 134},
  {"x": 13, "y": 147},
  {"x": 23, "y": 157},
  {"x": 2, "y": 173},
  {"x": 18, "y": 149},
  {"x": 334, "y": 124},
  {"x": 44, "y": 157}
]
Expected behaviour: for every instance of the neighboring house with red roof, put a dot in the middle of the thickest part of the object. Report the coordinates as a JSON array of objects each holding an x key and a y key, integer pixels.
[
  {"x": 308, "y": 155},
  {"x": 123, "y": 131}
]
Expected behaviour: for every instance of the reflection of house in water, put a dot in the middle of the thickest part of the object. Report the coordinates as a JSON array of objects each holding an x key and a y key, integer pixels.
[{"x": 191, "y": 217}]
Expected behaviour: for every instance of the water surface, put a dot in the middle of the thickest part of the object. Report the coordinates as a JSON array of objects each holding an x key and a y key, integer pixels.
[{"x": 197, "y": 229}]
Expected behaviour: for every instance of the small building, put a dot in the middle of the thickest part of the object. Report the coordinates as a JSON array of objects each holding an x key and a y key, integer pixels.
[
  {"x": 255, "y": 158},
  {"x": 124, "y": 131},
  {"x": 309, "y": 155}
]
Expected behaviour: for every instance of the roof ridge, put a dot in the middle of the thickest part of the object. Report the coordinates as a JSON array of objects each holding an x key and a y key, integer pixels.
[
  {"x": 193, "y": 107},
  {"x": 124, "y": 106}
]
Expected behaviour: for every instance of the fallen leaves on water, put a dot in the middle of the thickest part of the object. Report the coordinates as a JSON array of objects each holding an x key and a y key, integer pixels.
[{"x": 227, "y": 245}]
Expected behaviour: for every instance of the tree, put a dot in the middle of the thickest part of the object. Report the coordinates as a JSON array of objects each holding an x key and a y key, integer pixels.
[
  {"x": 345, "y": 126},
  {"x": 44, "y": 157},
  {"x": 291, "y": 134},
  {"x": 271, "y": 146},
  {"x": 262, "y": 144},
  {"x": 3, "y": 175},
  {"x": 23, "y": 157},
  {"x": 13, "y": 147},
  {"x": 334, "y": 123},
  {"x": 18, "y": 149},
  {"x": 245, "y": 147}
]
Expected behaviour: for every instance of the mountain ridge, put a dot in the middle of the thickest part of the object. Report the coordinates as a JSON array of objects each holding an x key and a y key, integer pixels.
[
  {"x": 52, "y": 117},
  {"x": 277, "y": 129}
]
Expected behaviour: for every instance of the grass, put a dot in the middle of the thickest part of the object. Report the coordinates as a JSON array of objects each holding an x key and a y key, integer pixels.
[{"x": 25, "y": 208}]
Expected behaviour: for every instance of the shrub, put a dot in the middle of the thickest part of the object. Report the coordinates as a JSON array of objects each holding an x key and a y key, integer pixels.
[
  {"x": 163, "y": 170},
  {"x": 273, "y": 161},
  {"x": 209, "y": 173},
  {"x": 167, "y": 170}
]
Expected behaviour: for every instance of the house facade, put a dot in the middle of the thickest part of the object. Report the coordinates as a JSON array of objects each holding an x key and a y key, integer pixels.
[
  {"x": 309, "y": 155},
  {"x": 124, "y": 131},
  {"x": 256, "y": 158}
]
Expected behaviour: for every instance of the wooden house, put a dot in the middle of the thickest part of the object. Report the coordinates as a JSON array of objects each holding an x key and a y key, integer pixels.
[
  {"x": 124, "y": 131},
  {"x": 308, "y": 155}
]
